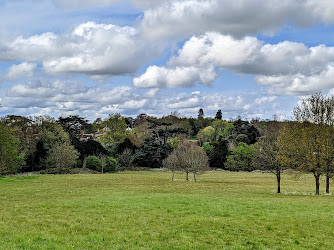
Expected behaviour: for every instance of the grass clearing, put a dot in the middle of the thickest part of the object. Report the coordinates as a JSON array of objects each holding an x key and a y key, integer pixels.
[{"x": 147, "y": 210}]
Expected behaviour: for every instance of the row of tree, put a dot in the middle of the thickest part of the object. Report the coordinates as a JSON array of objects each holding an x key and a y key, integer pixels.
[{"x": 178, "y": 143}]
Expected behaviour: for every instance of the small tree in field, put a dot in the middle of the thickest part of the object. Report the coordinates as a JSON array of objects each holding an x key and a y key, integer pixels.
[
  {"x": 187, "y": 157},
  {"x": 266, "y": 156}
]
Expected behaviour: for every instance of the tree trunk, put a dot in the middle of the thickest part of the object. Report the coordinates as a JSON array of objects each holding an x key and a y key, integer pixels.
[
  {"x": 195, "y": 176},
  {"x": 173, "y": 176},
  {"x": 327, "y": 183},
  {"x": 278, "y": 175},
  {"x": 187, "y": 176},
  {"x": 317, "y": 183}
]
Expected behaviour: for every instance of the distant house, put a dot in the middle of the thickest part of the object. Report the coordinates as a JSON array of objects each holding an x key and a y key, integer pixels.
[{"x": 93, "y": 136}]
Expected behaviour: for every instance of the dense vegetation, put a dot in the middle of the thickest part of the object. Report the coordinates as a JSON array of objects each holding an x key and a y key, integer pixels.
[{"x": 191, "y": 145}]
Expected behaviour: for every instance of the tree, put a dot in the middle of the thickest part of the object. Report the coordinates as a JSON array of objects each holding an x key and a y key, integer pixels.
[
  {"x": 60, "y": 155},
  {"x": 125, "y": 160},
  {"x": 61, "y": 158},
  {"x": 10, "y": 161},
  {"x": 151, "y": 154},
  {"x": 241, "y": 158},
  {"x": 187, "y": 157},
  {"x": 115, "y": 127},
  {"x": 206, "y": 135},
  {"x": 200, "y": 114},
  {"x": 266, "y": 157},
  {"x": 219, "y": 114},
  {"x": 315, "y": 120},
  {"x": 73, "y": 125}
]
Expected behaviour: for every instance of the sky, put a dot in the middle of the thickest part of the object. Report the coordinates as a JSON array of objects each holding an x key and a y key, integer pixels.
[{"x": 249, "y": 58}]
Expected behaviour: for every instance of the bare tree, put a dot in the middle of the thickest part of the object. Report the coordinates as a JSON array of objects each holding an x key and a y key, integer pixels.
[{"x": 187, "y": 157}]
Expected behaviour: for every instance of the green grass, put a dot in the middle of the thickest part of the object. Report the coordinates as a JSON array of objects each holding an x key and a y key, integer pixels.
[{"x": 147, "y": 210}]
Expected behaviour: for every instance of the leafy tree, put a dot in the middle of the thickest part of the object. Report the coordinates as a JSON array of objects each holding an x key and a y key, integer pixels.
[
  {"x": 243, "y": 131},
  {"x": 93, "y": 163},
  {"x": 187, "y": 157},
  {"x": 241, "y": 158},
  {"x": 125, "y": 160},
  {"x": 218, "y": 157},
  {"x": 10, "y": 161},
  {"x": 151, "y": 154},
  {"x": 73, "y": 125},
  {"x": 200, "y": 114},
  {"x": 222, "y": 129},
  {"x": 115, "y": 127},
  {"x": 266, "y": 157},
  {"x": 60, "y": 155},
  {"x": 315, "y": 120},
  {"x": 110, "y": 165},
  {"x": 206, "y": 135},
  {"x": 127, "y": 144},
  {"x": 219, "y": 114},
  {"x": 61, "y": 158}
]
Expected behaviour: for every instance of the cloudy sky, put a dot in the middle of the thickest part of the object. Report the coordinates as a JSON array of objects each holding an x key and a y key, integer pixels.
[{"x": 253, "y": 58}]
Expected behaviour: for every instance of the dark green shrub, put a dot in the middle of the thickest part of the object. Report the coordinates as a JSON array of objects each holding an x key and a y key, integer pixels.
[
  {"x": 93, "y": 163},
  {"x": 110, "y": 165}
]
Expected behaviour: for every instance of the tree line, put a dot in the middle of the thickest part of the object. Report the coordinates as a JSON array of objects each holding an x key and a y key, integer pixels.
[{"x": 47, "y": 145}]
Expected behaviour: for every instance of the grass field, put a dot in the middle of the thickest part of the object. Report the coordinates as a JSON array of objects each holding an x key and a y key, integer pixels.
[{"x": 147, "y": 210}]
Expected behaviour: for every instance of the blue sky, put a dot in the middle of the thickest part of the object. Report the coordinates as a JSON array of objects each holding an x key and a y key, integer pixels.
[{"x": 253, "y": 58}]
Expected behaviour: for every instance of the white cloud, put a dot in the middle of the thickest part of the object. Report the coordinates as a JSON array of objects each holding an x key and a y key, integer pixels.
[
  {"x": 17, "y": 71},
  {"x": 291, "y": 68},
  {"x": 182, "y": 18},
  {"x": 92, "y": 49},
  {"x": 175, "y": 77}
]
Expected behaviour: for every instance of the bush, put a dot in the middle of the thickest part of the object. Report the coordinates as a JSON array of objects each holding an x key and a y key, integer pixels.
[
  {"x": 93, "y": 163},
  {"x": 110, "y": 165}
]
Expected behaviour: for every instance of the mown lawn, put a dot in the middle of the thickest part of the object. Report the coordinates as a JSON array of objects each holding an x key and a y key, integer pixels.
[{"x": 147, "y": 210}]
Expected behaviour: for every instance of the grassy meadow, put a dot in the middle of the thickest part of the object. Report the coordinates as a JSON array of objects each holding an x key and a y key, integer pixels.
[{"x": 147, "y": 210}]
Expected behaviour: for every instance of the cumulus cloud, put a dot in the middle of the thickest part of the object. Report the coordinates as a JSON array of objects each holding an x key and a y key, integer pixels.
[
  {"x": 175, "y": 77},
  {"x": 90, "y": 48},
  {"x": 290, "y": 67},
  {"x": 24, "y": 69},
  {"x": 182, "y": 18}
]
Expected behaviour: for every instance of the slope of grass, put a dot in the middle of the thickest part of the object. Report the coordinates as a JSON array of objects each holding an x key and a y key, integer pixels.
[{"x": 148, "y": 210}]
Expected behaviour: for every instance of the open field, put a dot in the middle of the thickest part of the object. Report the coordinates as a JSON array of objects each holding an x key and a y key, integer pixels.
[{"x": 148, "y": 210}]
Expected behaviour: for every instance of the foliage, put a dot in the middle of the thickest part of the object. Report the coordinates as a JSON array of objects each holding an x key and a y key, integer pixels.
[
  {"x": 110, "y": 165},
  {"x": 93, "y": 163},
  {"x": 200, "y": 114},
  {"x": 115, "y": 127},
  {"x": 61, "y": 158},
  {"x": 187, "y": 157},
  {"x": 222, "y": 129},
  {"x": 90, "y": 147},
  {"x": 127, "y": 144},
  {"x": 219, "y": 114},
  {"x": 151, "y": 154},
  {"x": 10, "y": 161},
  {"x": 218, "y": 156},
  {"x": 125, "y": 160},
  {"x": 243, "y": 131},
  {"x": 206, "y": 135},
  {"x": 173, "y": 142},
  {"x": 241, "y": 158},
  {"x": 266, "y": 157}
]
